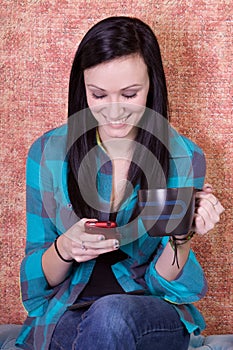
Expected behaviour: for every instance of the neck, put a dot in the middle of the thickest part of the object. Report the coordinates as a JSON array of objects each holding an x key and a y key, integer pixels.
[{"x": 117, "y": 148}]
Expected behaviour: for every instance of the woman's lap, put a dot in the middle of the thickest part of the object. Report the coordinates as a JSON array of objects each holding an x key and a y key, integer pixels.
[{"x": 119, "y": 322}]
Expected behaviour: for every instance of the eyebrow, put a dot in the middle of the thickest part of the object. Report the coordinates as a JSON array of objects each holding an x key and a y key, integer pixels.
[{"x": 126, "y": 88}]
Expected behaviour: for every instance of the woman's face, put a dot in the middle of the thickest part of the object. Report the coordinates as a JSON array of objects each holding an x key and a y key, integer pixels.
[{"x": 116, "y": 94}]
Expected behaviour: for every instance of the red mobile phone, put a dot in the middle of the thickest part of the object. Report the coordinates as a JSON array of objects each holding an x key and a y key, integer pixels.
[{"x": 106, "y": 228}]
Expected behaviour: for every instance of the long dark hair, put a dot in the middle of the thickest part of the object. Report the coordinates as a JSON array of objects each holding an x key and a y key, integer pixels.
[{"x": 112, "y": 38}]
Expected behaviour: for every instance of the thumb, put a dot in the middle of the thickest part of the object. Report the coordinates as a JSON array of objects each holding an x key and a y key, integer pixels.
[{"x": 207, "y": 188}]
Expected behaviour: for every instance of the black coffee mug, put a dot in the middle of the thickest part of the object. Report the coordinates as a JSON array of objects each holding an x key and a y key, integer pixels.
[{"x": 167, "y": 211}]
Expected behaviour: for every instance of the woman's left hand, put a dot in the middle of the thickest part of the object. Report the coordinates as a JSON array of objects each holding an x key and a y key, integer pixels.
[{"x": 208, "y": 211}]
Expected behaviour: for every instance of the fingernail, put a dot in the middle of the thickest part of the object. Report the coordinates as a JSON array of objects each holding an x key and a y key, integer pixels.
[
  {"x": 116, "y": 244},
  {"x": 101, "y": 238}
]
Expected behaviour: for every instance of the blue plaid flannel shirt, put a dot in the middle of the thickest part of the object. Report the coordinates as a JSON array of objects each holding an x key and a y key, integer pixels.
[{"x": 49, "y": 213}]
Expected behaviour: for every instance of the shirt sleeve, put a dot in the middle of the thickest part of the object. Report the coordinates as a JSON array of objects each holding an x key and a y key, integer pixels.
[
  {"x": 41, "y": 230},
  {"x": 190, "y": 285}
]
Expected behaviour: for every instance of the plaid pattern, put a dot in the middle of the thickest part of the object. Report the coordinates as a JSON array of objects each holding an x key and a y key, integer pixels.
[{"x": 49, "y": 213}]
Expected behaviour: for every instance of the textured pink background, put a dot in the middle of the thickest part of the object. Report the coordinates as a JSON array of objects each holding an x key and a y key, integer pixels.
[{"x": 38, "y": 42}]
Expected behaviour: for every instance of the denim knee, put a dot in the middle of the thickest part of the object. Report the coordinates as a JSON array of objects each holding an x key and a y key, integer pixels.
[
  {"x": 105, "y": 327},
  {"x": 119, "y": 322},
  {"x": 110, "y": 311}
]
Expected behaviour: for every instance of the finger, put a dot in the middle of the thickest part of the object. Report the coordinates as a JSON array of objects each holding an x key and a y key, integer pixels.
[
  {"x": 78, "y": 228},
  {"x": 92, "y": 237},
  {"x": 103, "y": 244},
  {"x": 213, "y": 214},
  {"x": 207, "y": 188},
  {"x": 208, "y": 196},
  {"x": 87, "y": 241},
  {"x": 81, "y": 255},
  {"x": 81, "y": 259},
  {"x": 84, "y": 220},
  {"x": 199, "y": 225},
  {"x": 208, "y": 222},
  {"x": 217, "y": 206}
]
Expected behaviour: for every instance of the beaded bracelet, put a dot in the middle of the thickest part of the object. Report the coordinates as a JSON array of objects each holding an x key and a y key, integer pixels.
[
  {"x": 59, "y": 254},
  {"x": 175, "y": 242}
]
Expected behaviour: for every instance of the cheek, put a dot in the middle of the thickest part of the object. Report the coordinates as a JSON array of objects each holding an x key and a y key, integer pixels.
[
  {"x": 139, "y": 104},
  {"x": 144, "y": 98},
  {"x": 138, "y": 111},
  {"x": 90, "y": 101},
  {"x": 137, "y": 108},
  {"x": 96, "y": 115},
  {"x": 94, "y": 106}
]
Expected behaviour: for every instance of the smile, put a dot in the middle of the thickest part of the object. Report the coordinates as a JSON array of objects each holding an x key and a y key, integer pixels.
[{"x": 117, "y": 122}]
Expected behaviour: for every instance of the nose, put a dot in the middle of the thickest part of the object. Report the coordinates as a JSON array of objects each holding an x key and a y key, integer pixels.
[{"x": 114, "y": 110}]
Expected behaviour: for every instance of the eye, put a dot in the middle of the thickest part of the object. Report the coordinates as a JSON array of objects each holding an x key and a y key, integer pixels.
[
  {"x": 130, "y": 95},
  {"x": 98, "y": 97}
]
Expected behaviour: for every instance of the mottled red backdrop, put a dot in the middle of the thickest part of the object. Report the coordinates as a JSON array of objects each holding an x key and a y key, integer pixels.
[{"x": 38, "y": 42}]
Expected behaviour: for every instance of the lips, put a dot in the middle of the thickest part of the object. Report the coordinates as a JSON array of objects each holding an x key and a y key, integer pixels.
[{"x": 117, "y": 122}]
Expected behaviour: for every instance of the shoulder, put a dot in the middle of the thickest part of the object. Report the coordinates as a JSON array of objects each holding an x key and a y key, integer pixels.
[
  {"x": 192, "y": 150},
  {"x": 181, "y": 146},
  {"x": 187, "y": 160},
  {"x": 51, "y": 145}
]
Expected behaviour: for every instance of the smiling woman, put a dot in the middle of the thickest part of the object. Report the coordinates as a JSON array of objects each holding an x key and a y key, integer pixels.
[
  {"x": 117, "y": 95},
  {"x": 86, "y": 290}
]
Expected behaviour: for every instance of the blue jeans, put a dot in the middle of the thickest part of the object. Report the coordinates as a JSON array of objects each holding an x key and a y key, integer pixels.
[{"x": 122, "y": 322}]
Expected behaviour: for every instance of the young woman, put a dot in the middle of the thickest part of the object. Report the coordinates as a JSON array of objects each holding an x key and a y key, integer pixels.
[{"x": 87, "y": 291}]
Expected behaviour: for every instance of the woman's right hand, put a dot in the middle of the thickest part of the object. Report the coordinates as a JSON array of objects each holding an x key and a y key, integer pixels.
[{"x": 81, "y": 246}]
